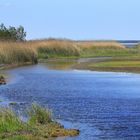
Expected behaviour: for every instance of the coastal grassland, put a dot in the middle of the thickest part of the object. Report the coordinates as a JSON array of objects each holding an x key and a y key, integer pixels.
[
  {"x": 107, "y": 48},
  {"x": 74, "y": 49},
  {"x": 40, "y": 125},
  {"x": 31, "y": 51},
  {"x": 16, "y": 53}
]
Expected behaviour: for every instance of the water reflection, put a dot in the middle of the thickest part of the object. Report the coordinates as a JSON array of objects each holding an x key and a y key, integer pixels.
[{"x": 60, "y": 64}]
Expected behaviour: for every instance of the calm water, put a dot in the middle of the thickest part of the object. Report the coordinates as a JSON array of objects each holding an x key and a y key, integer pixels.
[{"x": 103, "y": 105}]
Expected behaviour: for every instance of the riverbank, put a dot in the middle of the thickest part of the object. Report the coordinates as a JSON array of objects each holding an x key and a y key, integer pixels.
[
  {"x": 2, "y": 80},
  {"x": 122, "y": 64},
  {"x": 39, "y": 125},
  {"x": 82, "y": 99},
  {"x": 32, "y": 51},
  {"x": 15, "y": 54}
]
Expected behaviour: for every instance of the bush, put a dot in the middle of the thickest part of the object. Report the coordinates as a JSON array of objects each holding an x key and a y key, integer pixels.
[{"x": 12, "y": 33}]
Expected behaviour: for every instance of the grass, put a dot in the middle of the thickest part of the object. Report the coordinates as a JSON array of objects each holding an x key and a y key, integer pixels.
[
  {"x": 40, "y": 125},
  {"x": 113, "y": 52},
  {"x": 31, "y": 51},
  {"x": 125, "y": 64},
  {"x": 39, "y": 115},
  {"x": 16, "y": 53}
]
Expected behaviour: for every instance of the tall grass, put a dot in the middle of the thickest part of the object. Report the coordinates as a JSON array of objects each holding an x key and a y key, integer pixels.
[
  {"x": 9, "y": 121},
  {"x": 30, "y": 51},
  {"x": 39, "y": 115},
  {"x": 39, "y": 126},
  {"x": 12, "y": 52}
]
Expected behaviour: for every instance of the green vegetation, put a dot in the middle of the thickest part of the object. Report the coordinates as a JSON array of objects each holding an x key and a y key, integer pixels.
[
  {"x": 29, "y": 52},
  {"x": 39, "y": 125},
  {"x": 39, "y": 115},
  {"x": 113, "y": 52},
  {"x": 119, "y": 63},
  {"x": 15, "y": 51},
  {"x": 126, "y": 64},
  {"x": 12, "y": 33}
]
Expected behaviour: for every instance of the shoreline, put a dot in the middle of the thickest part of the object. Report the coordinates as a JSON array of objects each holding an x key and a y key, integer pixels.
[{"x": 83, "y": 63}]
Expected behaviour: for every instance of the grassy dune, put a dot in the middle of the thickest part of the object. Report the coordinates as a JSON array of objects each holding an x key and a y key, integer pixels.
[{"x": 40, "y": 125}]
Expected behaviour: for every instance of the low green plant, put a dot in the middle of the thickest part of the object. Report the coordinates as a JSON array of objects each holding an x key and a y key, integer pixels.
[
  {"x": 39, "y": 115},
  {"x": 39, "y": 126}
]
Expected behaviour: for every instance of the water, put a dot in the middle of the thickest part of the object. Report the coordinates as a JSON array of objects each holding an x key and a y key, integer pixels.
[{"x": 103, "y": 105}]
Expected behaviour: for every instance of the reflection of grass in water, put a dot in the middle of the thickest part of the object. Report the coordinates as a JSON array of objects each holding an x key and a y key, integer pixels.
[
  {"x": 40, "y": 125},
  {"x": 60, "y": 65}
]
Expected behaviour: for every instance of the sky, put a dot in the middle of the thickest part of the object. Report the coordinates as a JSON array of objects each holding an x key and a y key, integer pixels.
[{"x": 74, "y": 19}]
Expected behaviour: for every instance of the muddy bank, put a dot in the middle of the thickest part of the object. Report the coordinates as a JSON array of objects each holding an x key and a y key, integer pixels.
[
  {"x": 109, "y": 64},
  {"x": 9, "y": 66},
  {"x": 2, "y": 80},
  {"x": 86, "y": 66}
]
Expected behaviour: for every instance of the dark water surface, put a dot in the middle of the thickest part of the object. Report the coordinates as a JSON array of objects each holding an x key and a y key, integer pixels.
[{"x": 103, "y": 105}]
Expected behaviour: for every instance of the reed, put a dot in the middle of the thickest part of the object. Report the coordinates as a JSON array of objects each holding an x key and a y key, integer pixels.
[
  {"x": 30, "y": 51},
  {"x": 16, "y": 52}
]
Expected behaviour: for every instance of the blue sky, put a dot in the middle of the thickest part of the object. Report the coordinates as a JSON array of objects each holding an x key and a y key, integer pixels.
[{"x": 74, "y": 19}]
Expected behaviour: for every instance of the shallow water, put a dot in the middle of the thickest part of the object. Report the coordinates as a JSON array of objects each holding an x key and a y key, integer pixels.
[{"x": 103, "y": 105}]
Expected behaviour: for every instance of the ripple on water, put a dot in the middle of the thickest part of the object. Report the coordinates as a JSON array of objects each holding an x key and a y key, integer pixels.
[{"x": 102, "y": 105}]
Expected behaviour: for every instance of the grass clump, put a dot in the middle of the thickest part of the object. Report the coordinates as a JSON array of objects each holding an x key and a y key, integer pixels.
[
  {"x": 9, "y": 122},
  {"x": 39, "y": 126},
  {"x": 39, "y": 115}
]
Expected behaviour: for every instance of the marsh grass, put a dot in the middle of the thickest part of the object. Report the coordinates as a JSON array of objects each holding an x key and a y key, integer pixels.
[
  {"x": 12, "y": 52},
  {"x": 39, "y": 115},
  {"x": 31, "y": 51},
  {"x": 39, "y": 126},
  {"x": 109, "y": 51},
  {"x": 118, "y": 64},
  {"x": 9, "y": 121}
]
